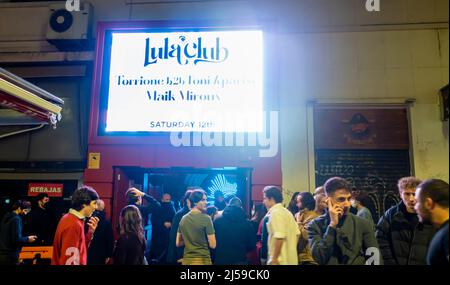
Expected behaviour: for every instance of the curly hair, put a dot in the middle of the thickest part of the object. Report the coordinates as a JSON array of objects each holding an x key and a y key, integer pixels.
[{"x": 410, "y": 182}]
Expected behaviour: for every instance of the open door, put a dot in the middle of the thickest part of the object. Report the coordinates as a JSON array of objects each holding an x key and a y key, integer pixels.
[{"x": 121, "y": 185}]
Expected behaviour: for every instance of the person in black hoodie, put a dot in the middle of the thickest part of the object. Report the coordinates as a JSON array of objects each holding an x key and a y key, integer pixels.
[
  {"x": 161, "y": 224},
  {"x": 233, "y": 245},
  {"x": 403, "y": 239},
  {"x": 40, "y": 222},
  {"x": 219, "y": 200},
  {"x": 101, "y": 248},
  {"x": 11, "y": 239},
  {"x": 174, "y": 253}
]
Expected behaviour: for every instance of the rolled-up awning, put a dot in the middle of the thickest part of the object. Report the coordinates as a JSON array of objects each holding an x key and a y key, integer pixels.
[{"x": 24, "y": 97}]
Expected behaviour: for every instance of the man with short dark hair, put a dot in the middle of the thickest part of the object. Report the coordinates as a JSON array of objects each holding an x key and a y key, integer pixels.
[
  {"x": 233, "y": 245},
  {"x": 71, "y": 242},
  {"x": 161, "y": 223},
  {"x": 134, "y": 196},
  {"x": 101, "y": 248},
  {"x": 339, "y": 237},
  {"x": 219, "y": 200},
  {"x": 402, "y": 237},
  {"x": 40, "y": 222},
  {"x": 11, "y": 239},
  {"x": 196, "y": 232},
  {"x": 282, "y": 229},
  {"x": 432, "y": 199}
]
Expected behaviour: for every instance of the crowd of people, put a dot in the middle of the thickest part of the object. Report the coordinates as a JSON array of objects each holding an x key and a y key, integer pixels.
[{"x": 332, "y": 226}]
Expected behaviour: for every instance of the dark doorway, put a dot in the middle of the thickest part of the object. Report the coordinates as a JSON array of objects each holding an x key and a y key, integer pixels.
[{"x": 175, "y": 180}]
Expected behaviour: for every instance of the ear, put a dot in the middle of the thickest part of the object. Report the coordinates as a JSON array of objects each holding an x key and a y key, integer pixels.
[{"x": 429, "y": 204}]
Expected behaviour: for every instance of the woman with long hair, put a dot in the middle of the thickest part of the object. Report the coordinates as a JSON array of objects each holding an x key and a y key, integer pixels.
[
  {"x": 258, "y": 213},
  {"x": 292, "y": 207},
  {"x": 130, "y": 247}
]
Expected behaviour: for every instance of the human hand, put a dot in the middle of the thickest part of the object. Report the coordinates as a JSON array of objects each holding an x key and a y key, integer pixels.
[
  {"x": 92, "y": 223},
  {"x": 167, "y": 225},
  {"x": 137, "y": 193},
  {"x": 274, "y": 261},
  {"x": 32, "y": 238},
  {"x": 335, "y": 212}
]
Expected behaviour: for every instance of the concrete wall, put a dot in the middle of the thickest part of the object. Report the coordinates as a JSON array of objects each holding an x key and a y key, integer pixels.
[
  {"x": 375, "y": 66},
  {"x": 328, "y": 50}
]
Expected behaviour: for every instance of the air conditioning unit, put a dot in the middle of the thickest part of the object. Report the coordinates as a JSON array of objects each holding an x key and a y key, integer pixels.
[{"x": 70, "y": 30}]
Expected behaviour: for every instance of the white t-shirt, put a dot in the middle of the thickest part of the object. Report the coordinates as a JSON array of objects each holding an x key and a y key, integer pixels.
[{"x": 282, "y": 225}]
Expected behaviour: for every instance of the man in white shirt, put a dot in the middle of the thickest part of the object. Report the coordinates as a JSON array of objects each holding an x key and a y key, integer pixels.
[{"x": 282, "y": 228}]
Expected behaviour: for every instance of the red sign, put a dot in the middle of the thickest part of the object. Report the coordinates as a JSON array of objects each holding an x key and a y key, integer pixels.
[{"x": 53, "y": 190}]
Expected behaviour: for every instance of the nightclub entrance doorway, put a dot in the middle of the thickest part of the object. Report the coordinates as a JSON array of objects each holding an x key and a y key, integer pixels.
[{"x": 175, "y": 180}]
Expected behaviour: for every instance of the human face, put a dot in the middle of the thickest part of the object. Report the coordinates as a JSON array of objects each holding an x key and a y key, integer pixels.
[
  {"x": 268, "y": 202},
  {"x": 299, "y": 202},
  {"x": 89, "y": 209},
  {"x": 321, "y": 202},
  {"x": 166, "y": 198},
  {"x": 201, "y": 205},
  {"x": 422, "y": 208},
  {"x": 138, "y": 201},
  {"x": 44, "y": 201},
  {"x": 408, "y": 198},
  {"x": 342, "y": 198}
]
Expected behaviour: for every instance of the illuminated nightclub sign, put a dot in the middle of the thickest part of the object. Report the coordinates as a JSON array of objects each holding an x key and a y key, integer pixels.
[
  {"x": 207, "y": 81},
  {"x": 185, "y": 52}
]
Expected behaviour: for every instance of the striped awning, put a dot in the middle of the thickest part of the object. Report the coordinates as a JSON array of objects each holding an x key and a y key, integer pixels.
[{"x": 24, "y": 97}]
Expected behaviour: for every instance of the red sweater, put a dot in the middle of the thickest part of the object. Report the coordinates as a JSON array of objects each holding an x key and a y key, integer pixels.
[{"x": 70, "y": 243}]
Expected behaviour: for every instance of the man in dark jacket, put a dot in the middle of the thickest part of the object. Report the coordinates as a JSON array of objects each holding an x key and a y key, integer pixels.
[
  {"x": 174, "y": 253},
  {"x": 101, "y": 248},
  {"x": 40, "y": 222},
  {"x": 339, "y": 237},
  {"x": 403, "y": 239},
  {"x": 219, "y": 201},
  {"x": 11, "y": 239},
  {"x": 161, "y": 224},
  {"x": 135, "y": 197},
  {"x": 432, "y": 201},
  {"x": 233, "y": 245}
]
